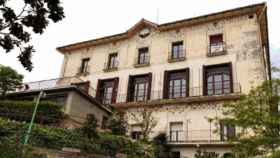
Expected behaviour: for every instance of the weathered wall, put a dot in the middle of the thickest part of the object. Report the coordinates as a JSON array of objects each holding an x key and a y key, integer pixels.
[
  {"x": 243, "y": 50},
  {"x": 78, "y": 107}
]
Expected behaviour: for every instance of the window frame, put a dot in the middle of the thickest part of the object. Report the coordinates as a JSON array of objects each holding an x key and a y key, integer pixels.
[
  {"x": 166, "y": 85},
  {"x": 84, "y": 65},
  {"x": 131, "y": 87},
  {"x": 112, "y": 61},
  {"x": 100, "y": 89},
  {"x": 179, "y": 45},
  {"x": 145, "y": 52},
  {"x": 205, "y": 79}
]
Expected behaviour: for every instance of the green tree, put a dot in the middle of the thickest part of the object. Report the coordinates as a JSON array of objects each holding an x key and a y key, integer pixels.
[
  {"x": 16, "y": 26},
  {"x": 117, "y": 124},
  {"x": 89, "y": 128},
  {"x": 9, "y": 80},
  {"x": 258, "y": 118}
]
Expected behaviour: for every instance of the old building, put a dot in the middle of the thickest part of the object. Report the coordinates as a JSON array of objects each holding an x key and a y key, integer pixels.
[{"x": 183, "y": 71}]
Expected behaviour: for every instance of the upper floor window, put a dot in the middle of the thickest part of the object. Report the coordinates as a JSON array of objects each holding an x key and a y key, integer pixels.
[
  {"x": 176, "y": 84},
  {"x": 216, "y": 45},
  {"x": 139, "y": 88},
  {"x": 218, "y": 79},
  {"x": 112, "y": 61},
  {"x": 84, "y": 65},
  {"x": 143, "y": 56},
  {"x": 177, "y": 50},
  {"x": 107, "y": 90}
]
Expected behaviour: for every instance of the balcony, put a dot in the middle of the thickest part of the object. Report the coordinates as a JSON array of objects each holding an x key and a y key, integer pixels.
[
  {"x": 206, "y": 136},
  {"x": 108, "y": 67},
  {"x": 83, "y": 71},
  {"x": 145, "y": 61},
  {"x": 58, "y": 83},
  {"x": 194, "y": 93},
  {"x": 176, "y": 57},
  {"x": 216, "y": 49}
]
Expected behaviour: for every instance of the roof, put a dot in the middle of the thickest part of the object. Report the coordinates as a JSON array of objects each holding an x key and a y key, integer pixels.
[
  {"x": 62, "y": 89},
  {"x": 256, "y": 8}
]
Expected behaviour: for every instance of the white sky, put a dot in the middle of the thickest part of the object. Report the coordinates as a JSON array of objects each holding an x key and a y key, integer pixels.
[{"x": 89, "y": 19}]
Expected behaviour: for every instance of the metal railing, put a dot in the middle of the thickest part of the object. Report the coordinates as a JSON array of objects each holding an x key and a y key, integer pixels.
[
  {"x": 143, "y": 61},
  {"x": 191, "y": 92},
  {"x": 57, "y": 83},
  {"x": 181, "y": 54},
  {"x": 111, "y": 66},
  {"x": 216, "y": 49},
  {"x": 204, "y": 135}
]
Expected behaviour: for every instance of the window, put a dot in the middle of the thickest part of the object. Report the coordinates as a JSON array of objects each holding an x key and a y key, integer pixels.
[
  {"x": 216, "y": 44},
  {"x": 218, "y": 79},
  {"x": 139, "y": 88},
  {"x": 175, "y": 154},
  {"x": 113, "y": 61},
  {"x": 136, "y": 132},
  {"x": 107, "y": 90},
  {"x": 176, "y": 84},
  {"x": 176, "y": 131},
  {"x": 84, "y": 65},
  {"x": 104, "y": 122},
  {"x": 227, "y": 132},
  {"x": 143, "y": 55},
  {"x": 177, "y": 51}
]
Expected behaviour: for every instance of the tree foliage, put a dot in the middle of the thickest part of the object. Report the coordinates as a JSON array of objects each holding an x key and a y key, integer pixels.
[
  {"x": 9, "y": 80},
  {"x": 258, "y": 118},
  {"x": 117, "y": 124},
  {"x": 144, "y": 117},
  {"x": 89, "y": 128},
  {"x": 16, "y": 26}
]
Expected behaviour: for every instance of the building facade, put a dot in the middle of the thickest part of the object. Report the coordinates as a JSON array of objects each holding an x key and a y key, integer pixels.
[{"x": 183, "y": 71}]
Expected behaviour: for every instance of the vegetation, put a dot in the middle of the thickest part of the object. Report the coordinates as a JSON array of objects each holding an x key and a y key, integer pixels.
[
  {"x": 9, "y": 79},
  {"x": 144, "y": 117},
  {"x": 89, "y": 128},
  {"x": 16, "y": 26},
  {"x": 205, "y": 154},
  {"x": 162, "y": 150},
  {"x": 258, "y": 117},
  {"x": 48, "y": 112},
  {"x": 57, "y": 138},
  {"x": 117, "y": 124}
]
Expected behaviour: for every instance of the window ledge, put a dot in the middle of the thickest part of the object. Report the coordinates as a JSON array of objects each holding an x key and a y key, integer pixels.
[
  {"x": 176, "y": 59},
  {"x": 110, "y": 69},
  {"x": 141, "y": 65},
  {"x": 209, "y": 54},
  {"x": 82, "y": 73}
]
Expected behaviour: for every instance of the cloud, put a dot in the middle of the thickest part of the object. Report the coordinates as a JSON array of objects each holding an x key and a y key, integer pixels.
[{"x": 275, "y": 54}]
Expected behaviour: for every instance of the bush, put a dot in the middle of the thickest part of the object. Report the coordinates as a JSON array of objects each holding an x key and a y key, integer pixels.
[
  {"x": 117, "y": 124},
  {"x": 47, "y": 112},
  {"x": 57, "y": 138},
  {"x": 89, "y": 127},
  {"x": 162, "y": 150}
]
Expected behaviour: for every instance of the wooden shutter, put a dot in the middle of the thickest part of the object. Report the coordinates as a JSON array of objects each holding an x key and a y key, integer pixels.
[
  {"x": 187, "y": 82},
  {"x": 129, "y": 89},
  {"x": 98, "y": 90},
  {"x": 115, "y": 89},
  {"x": 150, "y": 77},
  {"x": 231, "y": 77},
  {"x": 165, "y": 85},
  {"x": 204, "y": 82}
]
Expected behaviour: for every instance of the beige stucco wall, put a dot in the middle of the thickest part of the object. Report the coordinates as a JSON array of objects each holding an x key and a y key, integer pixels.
[
  {"x": 243, "y": 48},
  {"x": 77, "y": 107}
]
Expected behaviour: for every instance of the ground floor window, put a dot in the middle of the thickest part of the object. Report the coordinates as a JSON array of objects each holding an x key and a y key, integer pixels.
[{"x": 176, "y": 154}]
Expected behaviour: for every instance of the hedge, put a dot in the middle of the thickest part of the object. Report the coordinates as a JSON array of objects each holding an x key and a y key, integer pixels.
[
  {"x": 57, "y": 138},
  {"x": 47, "y": 112}
]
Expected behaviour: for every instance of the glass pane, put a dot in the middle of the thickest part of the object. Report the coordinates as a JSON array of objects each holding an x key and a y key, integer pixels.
[
  {"x": 226, "y": 77},
  {"x": 210, "y": 79},
  {"x": 218, "y": 78}
]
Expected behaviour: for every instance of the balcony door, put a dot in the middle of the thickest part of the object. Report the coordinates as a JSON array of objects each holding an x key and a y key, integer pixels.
[{"x": 107, "y": 90}]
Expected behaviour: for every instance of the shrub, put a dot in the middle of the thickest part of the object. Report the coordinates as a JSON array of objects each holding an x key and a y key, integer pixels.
[
  {"x": 162, "y": 150},
  {"x": 117, "y": 124},
  {"x": 89, "y": 127},
  {"x": 47, "y": 112}
]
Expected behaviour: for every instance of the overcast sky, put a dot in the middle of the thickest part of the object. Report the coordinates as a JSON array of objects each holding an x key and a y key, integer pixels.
[{"x": 89, "y": 19}]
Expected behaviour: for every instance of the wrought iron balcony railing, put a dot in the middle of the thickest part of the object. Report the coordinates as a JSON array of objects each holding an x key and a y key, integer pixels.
[
  {"x": 177, "y": 56},
  {"x": 58, "y": 83},
  {"x": 143, "y": 61},
  {"x": 216, "y": 49},
  {"x": 192, "y": 136},
  {"x": 157, "y": 95},
  {"x": 108, "y": 66}
]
